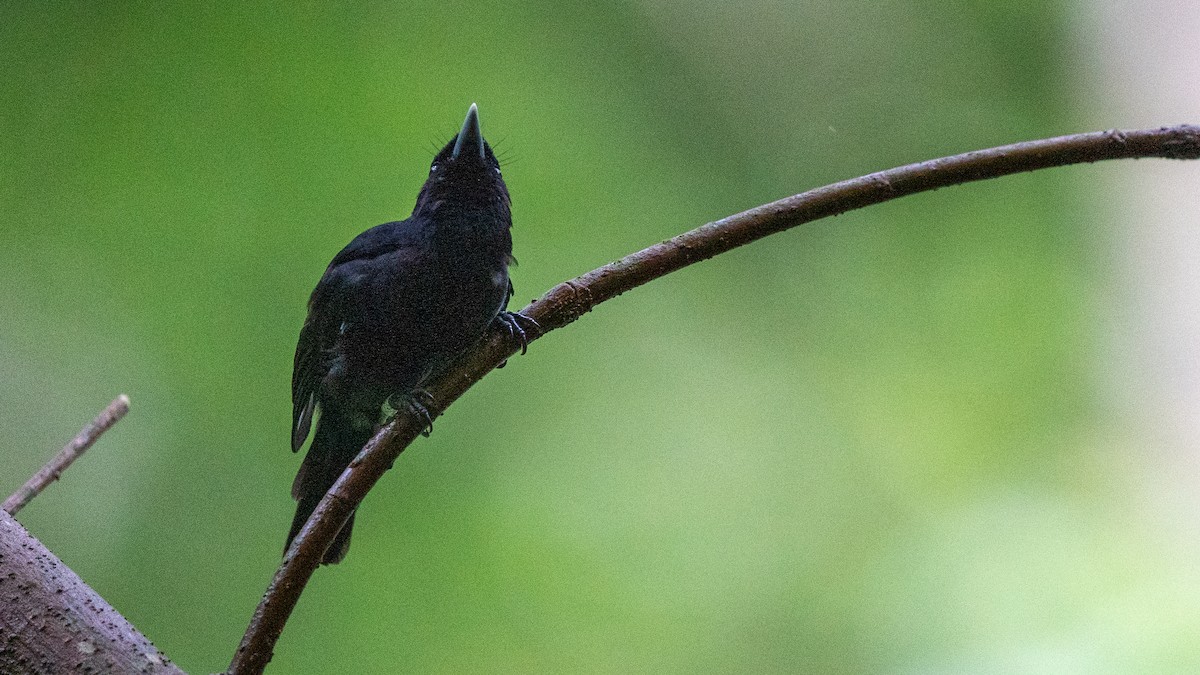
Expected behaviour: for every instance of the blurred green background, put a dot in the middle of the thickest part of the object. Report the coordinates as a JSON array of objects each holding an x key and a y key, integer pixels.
[{"x": 874, "y": 444}]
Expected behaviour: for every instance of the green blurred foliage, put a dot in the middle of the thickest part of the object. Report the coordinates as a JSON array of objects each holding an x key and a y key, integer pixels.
[{"x": 868, "y": 445}]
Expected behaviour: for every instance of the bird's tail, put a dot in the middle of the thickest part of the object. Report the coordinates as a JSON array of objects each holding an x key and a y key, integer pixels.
[{"x": 335, "y": 443}]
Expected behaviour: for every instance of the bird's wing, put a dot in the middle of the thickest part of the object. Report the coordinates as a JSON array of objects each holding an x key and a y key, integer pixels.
[
  {"x": 317, "y": 338},
  {"x": 331, "y": 307},
  {"x": 380, "y": 240}
]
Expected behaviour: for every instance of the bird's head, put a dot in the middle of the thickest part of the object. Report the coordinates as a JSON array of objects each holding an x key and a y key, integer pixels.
[{"x": 464, "y": 176}]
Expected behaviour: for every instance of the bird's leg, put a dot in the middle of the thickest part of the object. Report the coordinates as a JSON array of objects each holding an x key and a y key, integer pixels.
[
  {"x": 417, "y": 402},
  {"x": 511, "y": 322}
]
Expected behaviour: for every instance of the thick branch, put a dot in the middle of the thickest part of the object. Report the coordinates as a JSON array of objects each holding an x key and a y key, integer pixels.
[
  {"x": 52, "y": 622},
  {"x": 59, "y": 463},
  {"x": 569, "y": 300}
]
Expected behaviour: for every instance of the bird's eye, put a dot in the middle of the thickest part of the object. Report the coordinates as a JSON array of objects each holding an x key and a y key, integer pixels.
[{"x": 433, "y": 168}]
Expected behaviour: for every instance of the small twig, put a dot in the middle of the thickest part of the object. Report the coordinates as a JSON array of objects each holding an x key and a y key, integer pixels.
[
  {"x": 569, "y": 300},
  {"x": 78, "y": 445}
]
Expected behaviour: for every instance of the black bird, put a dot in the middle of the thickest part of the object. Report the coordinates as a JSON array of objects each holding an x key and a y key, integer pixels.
[{"x": 393, "y": 308}]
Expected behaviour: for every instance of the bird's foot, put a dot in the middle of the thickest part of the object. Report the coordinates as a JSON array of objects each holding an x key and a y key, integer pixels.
[
  {"x": 511, "y": 322},
  {"x": 418, "y": 402}
]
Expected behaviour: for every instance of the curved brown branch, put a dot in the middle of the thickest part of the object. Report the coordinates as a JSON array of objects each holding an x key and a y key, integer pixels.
[{"x": 571, "y": 299}]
